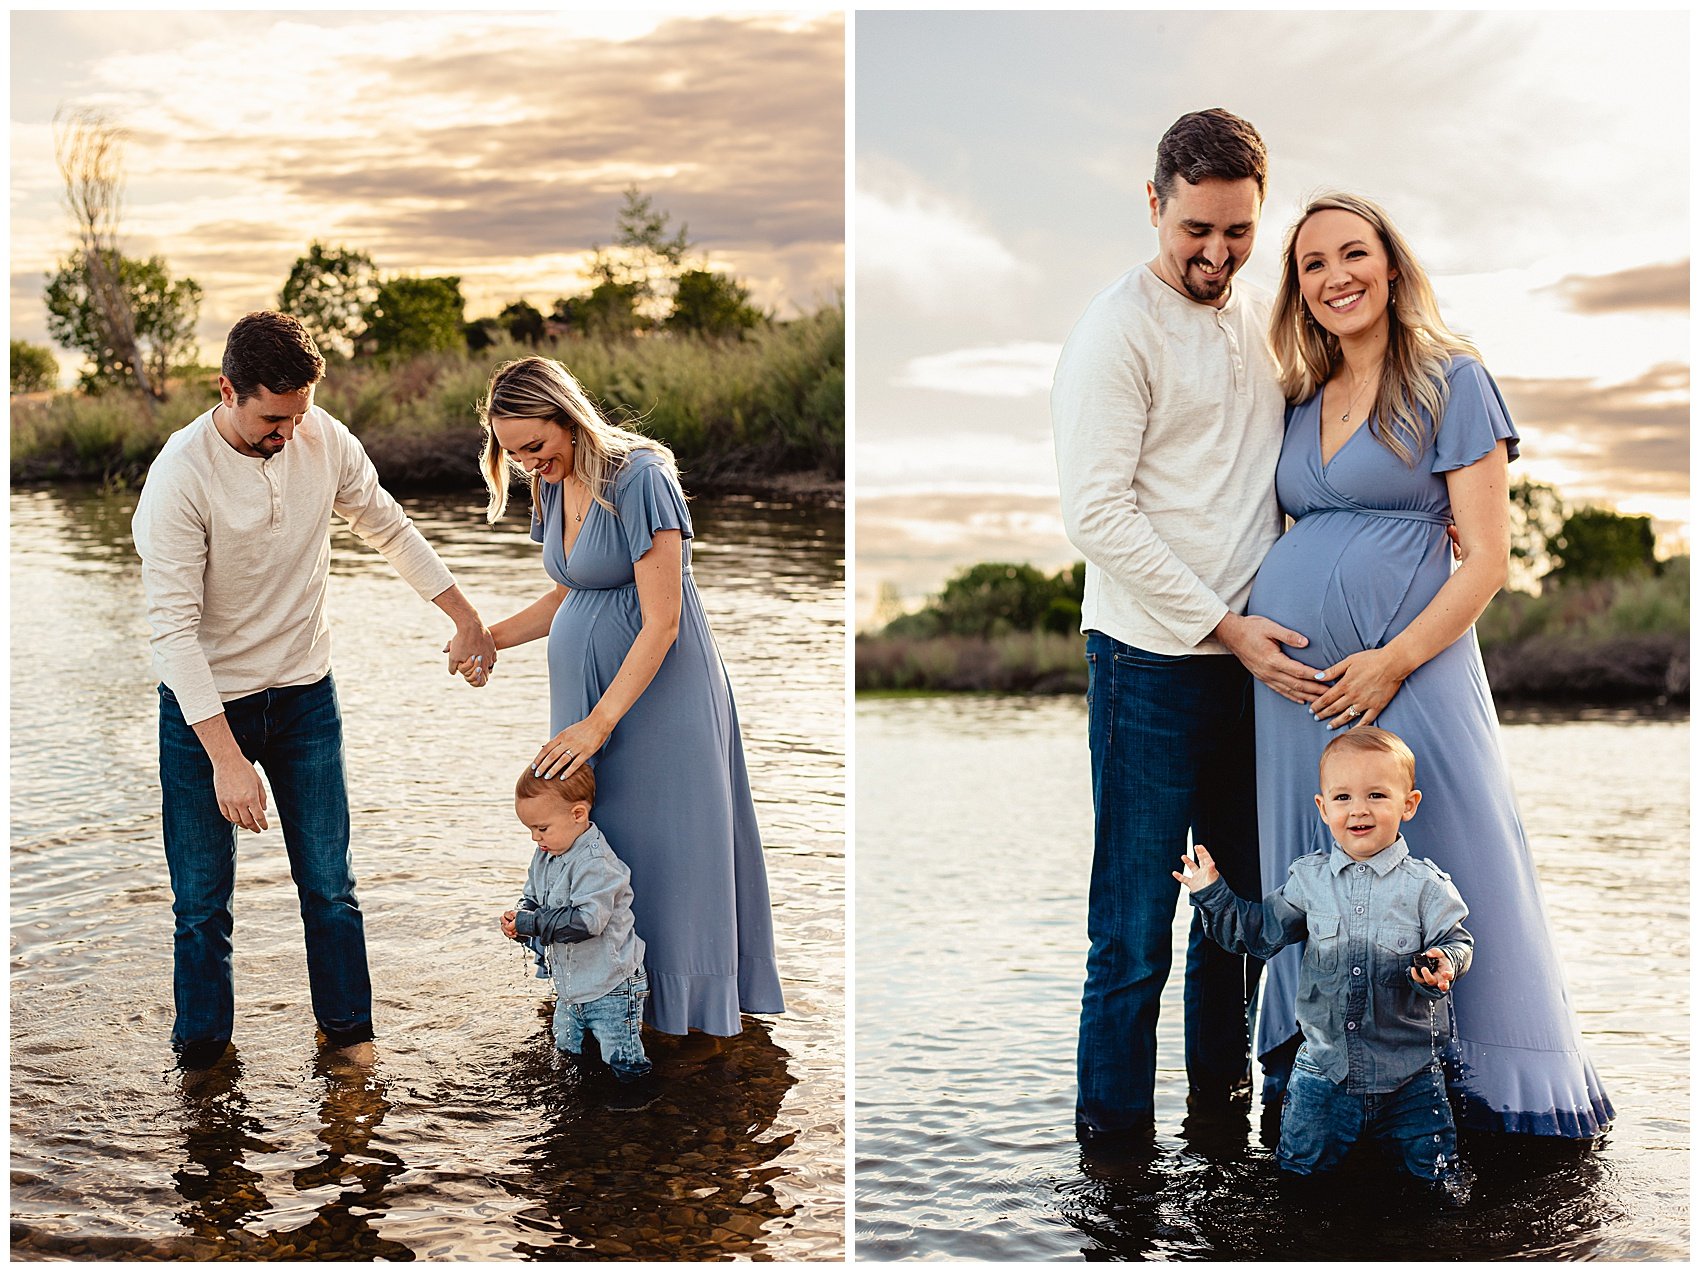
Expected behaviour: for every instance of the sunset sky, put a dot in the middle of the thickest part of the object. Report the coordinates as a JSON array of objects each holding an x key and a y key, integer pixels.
[
  {"x": 495, "y": 147},
  {"x": 1537, "y": 162}
]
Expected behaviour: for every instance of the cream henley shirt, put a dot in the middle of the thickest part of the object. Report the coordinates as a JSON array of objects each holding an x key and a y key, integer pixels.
[
  {"x": 236, "y": 553},
  {"x": 1168, "y": 421}
]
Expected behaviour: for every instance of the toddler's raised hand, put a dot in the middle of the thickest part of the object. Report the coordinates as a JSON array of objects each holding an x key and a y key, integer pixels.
[{"x": 1197, "y": 871}]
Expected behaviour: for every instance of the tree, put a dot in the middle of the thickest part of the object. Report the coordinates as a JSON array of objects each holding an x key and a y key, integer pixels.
[
  {"x": 608, "y": 309},
  {"x": 1596, "y": 543},
  {"x": 522, "y": 322},
  {"x": 644, "y": 260},
  {"x": 327, "y": 292},
  {"x": 481, "y": 333},
  {"x": 1537, "y": 513},
  {"x": 162, "y": 310},
  {"x": 415, "y": 315},
  {"x": 985, "y": 600},
  {"x": 34, "y": 368},
  {"x": 709, "y": 304},
  {"x": 89, "y": 152}
]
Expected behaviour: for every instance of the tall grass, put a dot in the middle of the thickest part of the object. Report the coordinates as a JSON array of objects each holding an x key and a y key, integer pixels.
[{"x": 730, "y": 409}]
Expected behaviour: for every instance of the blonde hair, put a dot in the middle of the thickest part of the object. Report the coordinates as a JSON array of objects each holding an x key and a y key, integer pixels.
[
  {"x": 1420, "y": 346},
  {"x": 542, "y": 389},
  {"x": 1373, "y": 741}
]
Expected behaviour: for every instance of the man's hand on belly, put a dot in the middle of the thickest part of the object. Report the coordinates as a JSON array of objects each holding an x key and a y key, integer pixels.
[{"x": 1256, "y": 642}]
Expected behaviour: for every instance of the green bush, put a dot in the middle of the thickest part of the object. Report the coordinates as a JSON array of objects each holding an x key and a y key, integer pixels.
[{"x": 34, "y": 367}]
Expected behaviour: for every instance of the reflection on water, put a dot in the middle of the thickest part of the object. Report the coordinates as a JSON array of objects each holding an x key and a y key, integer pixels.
[
  {"x": 973, "y": 852},
  {"x": 471, "y": 1139}
]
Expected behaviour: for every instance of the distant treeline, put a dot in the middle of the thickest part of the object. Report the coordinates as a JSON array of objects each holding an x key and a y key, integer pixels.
[
  {"x": 739, "y": 413},
  {"x": 1586, "y": 638}
]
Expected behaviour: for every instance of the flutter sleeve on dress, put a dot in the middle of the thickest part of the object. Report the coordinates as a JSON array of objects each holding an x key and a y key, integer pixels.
[
  {"x": 1476, "y": 419},
  {"x": 648, "y": 500}
]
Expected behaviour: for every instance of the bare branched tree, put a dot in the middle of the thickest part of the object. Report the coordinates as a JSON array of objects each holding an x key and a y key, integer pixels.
[{"x": 90, "y": 152}]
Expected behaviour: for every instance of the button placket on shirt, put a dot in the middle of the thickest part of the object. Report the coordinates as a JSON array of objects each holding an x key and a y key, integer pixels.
[
  {"x": 1235, "y": 356},
  {"x": 1357, "y": 987},
  {"x": 270, "y": 474}
]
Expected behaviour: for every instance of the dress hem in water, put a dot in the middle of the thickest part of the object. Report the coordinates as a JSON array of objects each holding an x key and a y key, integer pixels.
[{"x": 679, "y": 1002}]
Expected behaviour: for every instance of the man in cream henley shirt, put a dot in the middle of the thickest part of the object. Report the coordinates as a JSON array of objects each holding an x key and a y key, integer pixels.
[
  {"x": 233, "y": 528},
  {"x": 236, "y": 554},
  {"x": 1168, "y": 421}
]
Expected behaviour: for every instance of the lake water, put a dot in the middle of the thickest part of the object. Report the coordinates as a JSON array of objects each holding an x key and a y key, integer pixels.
[
  {"x": 469, "y": 1140},
  {"x": 974, "y": 832}
]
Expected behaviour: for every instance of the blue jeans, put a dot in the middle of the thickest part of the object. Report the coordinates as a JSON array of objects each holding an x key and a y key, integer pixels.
[
  {"x": 1320, "y": 1120},
  {"x": 615, "y": 1020},
  {"x": 295, "y": 735},
  {"x": 1172, "y": 750}
]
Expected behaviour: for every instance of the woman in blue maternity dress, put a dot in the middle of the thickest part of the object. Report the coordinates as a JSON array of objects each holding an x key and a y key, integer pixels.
[
  {"x": 651, "y": 710},
  {"x": 1363, "y": 564}
]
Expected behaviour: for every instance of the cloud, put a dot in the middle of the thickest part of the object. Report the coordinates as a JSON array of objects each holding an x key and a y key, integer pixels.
[
  {"x": 493, "y": 147},
  {"x": 1658, "y": 287},
  {"x": 922, "y": 464},
  {"x": 915, "y": 541},
  {"x": 931, "y": 252},
  {"x": 1620, "y": 440},
  {"x": 1021, "y": 368}
]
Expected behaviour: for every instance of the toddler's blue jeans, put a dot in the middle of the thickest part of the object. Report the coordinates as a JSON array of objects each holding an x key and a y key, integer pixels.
[
  {"x": 615, "y": 1020},
  {"x": 1321, "y": 1120}
]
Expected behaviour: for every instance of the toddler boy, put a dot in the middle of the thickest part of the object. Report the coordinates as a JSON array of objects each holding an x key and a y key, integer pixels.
[
  {"x": 577, "y": 914},
  {"x": 1368, "y": 1064}
]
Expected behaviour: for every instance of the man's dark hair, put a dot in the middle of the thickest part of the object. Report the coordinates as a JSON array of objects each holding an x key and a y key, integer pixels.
[
  {"x": 1210, "y": 143},
  {"x": 270, "y": 350}
]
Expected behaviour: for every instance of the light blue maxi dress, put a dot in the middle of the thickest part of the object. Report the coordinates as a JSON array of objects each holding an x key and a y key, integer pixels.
[
  {"x": 672, "y": 792},
  {"x": 1368, "y": 551}
]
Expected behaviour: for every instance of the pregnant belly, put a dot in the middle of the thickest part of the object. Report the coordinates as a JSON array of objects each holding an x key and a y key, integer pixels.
[
  {"x": 1349, "y": 581},
  {"x": 593, "y": 630}
]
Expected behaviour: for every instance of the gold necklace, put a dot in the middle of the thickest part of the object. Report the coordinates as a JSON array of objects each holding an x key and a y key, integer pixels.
[
  {"x": 1346, "y": 414},
  {"x": 584, "y": 505}
]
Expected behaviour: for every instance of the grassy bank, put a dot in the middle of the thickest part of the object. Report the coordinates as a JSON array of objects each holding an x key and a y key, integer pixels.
[
  {"x": 763, "y": 413},
  {"x": 1613, "y": 641}
]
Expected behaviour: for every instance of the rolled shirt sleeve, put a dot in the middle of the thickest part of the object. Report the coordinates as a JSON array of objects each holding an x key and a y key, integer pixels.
[{"x": 1443, "y": 912}]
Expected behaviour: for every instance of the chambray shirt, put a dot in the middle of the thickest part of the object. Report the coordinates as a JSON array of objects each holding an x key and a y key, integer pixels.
[
  {"x": 578, "y": 906},
  {"x": 1365, "y": 1022}
]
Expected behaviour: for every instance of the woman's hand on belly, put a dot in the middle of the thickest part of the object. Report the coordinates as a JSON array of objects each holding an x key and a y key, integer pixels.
[
  {"x": 567, "y": 751},
  {"x": 1364, "y": 683}
]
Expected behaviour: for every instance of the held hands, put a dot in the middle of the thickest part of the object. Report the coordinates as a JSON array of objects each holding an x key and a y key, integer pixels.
[
  {"x": 1440, "y": 978},
  {"x": 1364, "y": 683},
  {"x": 567, "y": 751},
  {"x": 1256, "y": 642},
  {"x": 1197, "y": 871},
  {"x": 508, "y": 928},
  {"x": 472, "y": 653}
]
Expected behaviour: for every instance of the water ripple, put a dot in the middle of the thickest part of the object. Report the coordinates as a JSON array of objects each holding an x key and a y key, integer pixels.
[{"x": 472, "y": 1140}]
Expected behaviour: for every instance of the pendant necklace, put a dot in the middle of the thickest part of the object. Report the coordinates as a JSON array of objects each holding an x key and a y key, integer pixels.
[{"x": 1346, "y": 414}]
